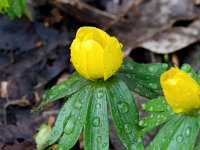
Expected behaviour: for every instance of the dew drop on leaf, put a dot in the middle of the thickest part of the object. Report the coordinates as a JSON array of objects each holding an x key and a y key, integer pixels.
[
  {"x": 153, "y": 69},
  {"x": 144, "y": 106},
  {"x": 164, "y": 66},
  {"x": 188, "y": 131},
  {"x": 77, "y": 105},
  {"x": 186, "y": 67},
  {"x": 56, "y": 132},
  {"x": 151, "y": 108},
  {"x": 179, "y": 138},
  {"x": 44, "y": 96},
  {"x": 129, "y": 66},
  {"x": 100, "y": 94},
  {"x": 137, "y": 90},
  {"x": 104, "y": 145},
  {"x": 99, "y": 139},
  {"x": 96, "y": 121},
  {"x": 141, "y": 123},
  {"x": 50, "y": 96},
  {"x": 123, "y": 107},
  {"x": 129, "y": 75},
  {"x": 69, "y": 127},
  {"x": 153, "y": 85},
  {"x": 97, "y": 106},
  {"x": 127, "y": 128}
]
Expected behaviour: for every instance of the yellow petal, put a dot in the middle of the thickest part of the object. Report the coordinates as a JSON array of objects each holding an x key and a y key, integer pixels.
[
  {"x": 86, "y": 33},
  {"x": 94, "y": 59},
  {"x": 181, "y": 90},
  {"x": 94, "y": 54},
  {"x": 78, "y": 58},
  {"x": 113, "y": 57}
]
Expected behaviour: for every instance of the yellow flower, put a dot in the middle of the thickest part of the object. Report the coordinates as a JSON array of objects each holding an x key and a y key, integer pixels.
[
  {"x": 94, "y": 54},
  {"x": 181, "y": 91}
]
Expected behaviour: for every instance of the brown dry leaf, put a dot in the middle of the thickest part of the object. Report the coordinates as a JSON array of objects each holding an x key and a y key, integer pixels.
[
  {"x": 150, "y": 18},
  {"x": 82, "y": 10},
  {"x": 173, "y": 39},
  {"x": 19, "y": 102},
  {"x": 3, "y": 89}
]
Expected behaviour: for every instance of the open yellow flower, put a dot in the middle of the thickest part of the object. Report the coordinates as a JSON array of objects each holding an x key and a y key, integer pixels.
[
  {"x": 181, "y": 91},
  {"x": 94, "y": 54}
]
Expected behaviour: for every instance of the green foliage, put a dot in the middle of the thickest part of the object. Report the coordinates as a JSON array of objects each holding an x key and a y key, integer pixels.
[
  {"x": 75, "y": 117},
  {"x": 179, "y": 133},
  {"x": 96, "y": 131},
  {"x": 143, "y": 79},
  {"x": 66, "y": 88},
  {"x": 4, "y": 6},
  {"x": 14, "y": 8},
  {"x": 87, "y": 110},
  {"x": 124, "y": 113},
  {"x": 42, "y": 136},
  {"x": 179, "y": 130}
]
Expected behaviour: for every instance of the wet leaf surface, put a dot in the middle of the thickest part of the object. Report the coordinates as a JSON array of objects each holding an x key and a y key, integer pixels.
[{"x": 33, "y": 55}]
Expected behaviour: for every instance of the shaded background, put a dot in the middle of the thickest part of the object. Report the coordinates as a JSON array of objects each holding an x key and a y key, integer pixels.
[{"x": 35, "y": 54}]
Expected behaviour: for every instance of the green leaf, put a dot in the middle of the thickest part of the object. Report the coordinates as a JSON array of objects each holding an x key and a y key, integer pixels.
[
  {"x": 66, "y": 88},
  {"x": 16, "y": 8},
  {"x": 77, "y": 117},
  {"x": 152, "y": 121},
  {"x": 189, "y": 70},
  {"x": 158, "y": 104},
  {"x": 96, "y": 132},
  {"x": 142, "y": 78},
  {"x": 179, "y": 134},
  {"x": 124, "y": 113},
  {"x": 42, "y": 136},
  {"x": 4, "y": 6}
]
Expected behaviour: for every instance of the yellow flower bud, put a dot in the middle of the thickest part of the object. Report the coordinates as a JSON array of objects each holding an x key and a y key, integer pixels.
[
  {"x": 94, "y": 54},
  {"x": 181, "y": 91}
]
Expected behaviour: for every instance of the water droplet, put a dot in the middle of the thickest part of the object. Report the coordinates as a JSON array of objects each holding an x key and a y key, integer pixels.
[
  {"x": 134, "y": 146},
  {"x": 97, "y": 106},
  {"x": 123, "y": 107},
  {"x": 151, "y": 108},
  {"x": 153, "y": 69},
  {"x": 51, "y": 96},
  {"x": 164, "y": 66},
  {"x": 168, "y": 108},
  {"x": 100, "y": 94},
  {"x": 129, "y": 75},
  {"x": 96, "y": 121},
  {"x": 104, "y": 145},
  {"x": 44, "y": 96},
  {"x": 62, "y": 87},
  {"x": 56, "y": 132},
  {"x": 141, "y": 123},
  {"x": 70, "y": 89},
  {"x": 69, "y": 127},
  {"x": 188, "y": 131},
  {"x": 137, "y": 90},
  {"x": 186, "y": 67},
  {"x": 153, "y": 85},
  {"x": 144, "y": 106},
  {"x": 130, "y": 66},
  {"x": 127, "y": 128},
  {"x": 77, "y": 105},
  {"x": 179, "y": 138},
  {"x": 99, "y": 139}
]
